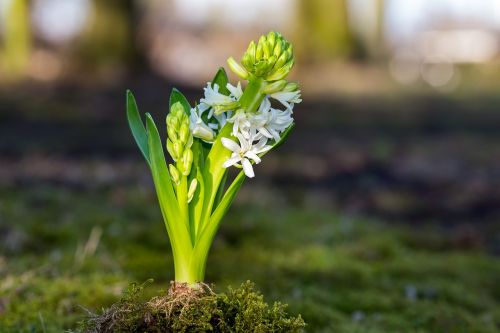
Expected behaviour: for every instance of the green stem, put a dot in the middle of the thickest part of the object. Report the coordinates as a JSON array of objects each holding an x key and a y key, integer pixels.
[
  {"x": 182, "y": 190},
  {"x": 252, "y": 96}
]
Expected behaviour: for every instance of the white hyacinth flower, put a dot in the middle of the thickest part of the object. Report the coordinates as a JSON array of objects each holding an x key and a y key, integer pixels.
[
  {"x": 214, "y": 99},
  {"x": 236, "y": 92},
  {"x": 244, "y": 153},
  {"x": 198, "y": 127},
  {"x": 241, "y": 123},
  {"x": 269, "y": 122},
  {"x": 287, "y": 98}
]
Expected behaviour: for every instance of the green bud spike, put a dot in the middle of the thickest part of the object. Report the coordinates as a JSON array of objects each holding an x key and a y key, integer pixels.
[
  {"x": 268, "y": 58},
  {"x": 274, "y": 87},
  {"x": 237, "y": 68},
  {"x": 174, "y": 174},
  {"x": 192, "y": 190}
]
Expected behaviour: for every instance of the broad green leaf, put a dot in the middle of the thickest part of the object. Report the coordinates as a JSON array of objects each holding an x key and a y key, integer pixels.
[
  {"x": 196, "y": 205},
  {"x": 136, "y": 126},
  {"x": 176, "y": 228},
  {"x": 225, "y": 202},
  {"x": 177, "y": 96},
  {"x": 221, "y": 79},
  {"x": 220, "y": 190},
  {"x": 213, "y": 171},
  {"x": 207, "y": 234}
]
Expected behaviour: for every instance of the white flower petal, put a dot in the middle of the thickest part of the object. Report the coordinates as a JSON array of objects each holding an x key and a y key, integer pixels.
[
  {"x": 253, "y": 156},
  {"x": 230, "y": 144},
  {"x": 247, "y": 168},
  {"x": 231, "y": 161}
]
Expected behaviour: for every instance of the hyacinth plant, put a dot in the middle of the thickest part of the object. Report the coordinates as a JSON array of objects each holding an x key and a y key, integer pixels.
[{"x": 231, "y": 126}]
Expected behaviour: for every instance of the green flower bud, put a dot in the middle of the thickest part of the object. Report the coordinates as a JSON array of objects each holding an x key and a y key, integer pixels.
[
  {"x": 237, "y": 68},
  {"x": 192, "y": 190},
  {"x": 220, "y": 108},
  {"x": 171, "y": 132},
  {"x": 276, "y": 86},
  {"x": 177, "y": 110},
  {"x": 178, "y": 150},
  {"x": 291, "y": 86},
  {"x": 174, "y": 174},
  {"x": 259, "y": 52},
  {"x": 271, "y": 38},
  {"x": 278, "y": 48},
  {"x": 281, "y": 60},
  {"x": 184, "y": 133},
  {"x": 280, "y": 73},
  {"x": 250, "y": 53},
  {"x": 184, "y": 164},
  {"x": 269, "y": 59},
  {"x": 170, "y": 149}
]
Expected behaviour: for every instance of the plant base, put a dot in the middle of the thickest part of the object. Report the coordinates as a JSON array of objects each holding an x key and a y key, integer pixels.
[{"x": 198, "y": 309}]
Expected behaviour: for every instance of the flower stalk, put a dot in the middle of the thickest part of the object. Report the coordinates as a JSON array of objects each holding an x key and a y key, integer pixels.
[{"x": 229, "y": 127}]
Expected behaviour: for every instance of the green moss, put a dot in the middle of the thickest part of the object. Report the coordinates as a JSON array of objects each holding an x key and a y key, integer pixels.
[{"x": 184, "y": 309}]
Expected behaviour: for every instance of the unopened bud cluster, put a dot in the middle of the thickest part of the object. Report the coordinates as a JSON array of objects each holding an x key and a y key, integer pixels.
[
  {"x": 271, "y": 59},
  {"x": 179, "y": 142}
]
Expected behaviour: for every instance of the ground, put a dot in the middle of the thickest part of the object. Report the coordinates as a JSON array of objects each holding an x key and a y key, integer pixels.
[{"x": 67, "y": 254}]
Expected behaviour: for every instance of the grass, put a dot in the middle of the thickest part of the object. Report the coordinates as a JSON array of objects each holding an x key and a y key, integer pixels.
[{"x": 64, "y": 250}]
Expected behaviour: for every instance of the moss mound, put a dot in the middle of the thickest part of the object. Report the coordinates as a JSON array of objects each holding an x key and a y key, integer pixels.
[{"x": 184, "y": 309}]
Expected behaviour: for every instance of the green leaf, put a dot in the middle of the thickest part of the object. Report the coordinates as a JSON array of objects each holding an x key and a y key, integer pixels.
[
  {"x": 177, "y": 96},
  {"x": 221, "y": 79},
  {"x": 213, "y": 171},
  {"x": 177, "y": 230},
  {"x": 196, "y": 205},
  {"x": 220, "y": 190},
  {"x": 207, "y": 234},
  {"x": 136, "y": 126}
]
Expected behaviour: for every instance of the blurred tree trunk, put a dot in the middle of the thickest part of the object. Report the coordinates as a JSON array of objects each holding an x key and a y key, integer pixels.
[
  {"x": 111, "y": 36},
  {"x": 323, "y": 29},
  {"x": 379, "y": 47},
  {"x": 17, "y": 41}
]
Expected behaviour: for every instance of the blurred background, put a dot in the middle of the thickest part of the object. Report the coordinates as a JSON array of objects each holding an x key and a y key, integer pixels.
[{"x": 380, "y": 214}]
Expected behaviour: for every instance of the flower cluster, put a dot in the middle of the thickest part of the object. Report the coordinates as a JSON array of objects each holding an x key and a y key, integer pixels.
[{"x": 255, "y": 132}]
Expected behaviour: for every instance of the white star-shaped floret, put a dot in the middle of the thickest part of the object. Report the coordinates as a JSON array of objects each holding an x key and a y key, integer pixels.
[
  {"x": 198, "y": 127},
  {"x": 214, "y": 98},
  {"x": 269, "y": 122},
  {"x": 287, "y": 98},
  {"x": 236, "y": 92},
  {"x": 241, "y": 123},
  {"x": 244, "y": 152}
]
